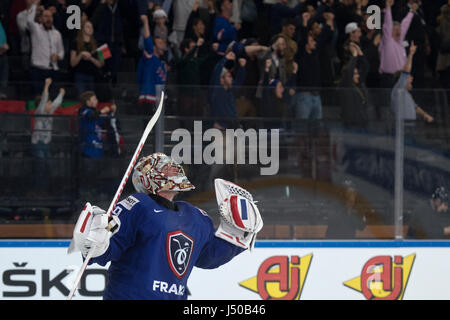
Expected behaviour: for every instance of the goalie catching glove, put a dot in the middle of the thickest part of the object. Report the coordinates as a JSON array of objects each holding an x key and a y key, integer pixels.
[
  {"x": 240, "y": 219},
  {"x": 93, "y": 230}
]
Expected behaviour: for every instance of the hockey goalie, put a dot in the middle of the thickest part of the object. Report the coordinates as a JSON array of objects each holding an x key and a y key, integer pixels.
[{"x": 153, "y": 242}]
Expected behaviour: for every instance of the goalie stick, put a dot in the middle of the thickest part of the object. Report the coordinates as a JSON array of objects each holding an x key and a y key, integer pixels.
[{"x": 119, "y": 191}]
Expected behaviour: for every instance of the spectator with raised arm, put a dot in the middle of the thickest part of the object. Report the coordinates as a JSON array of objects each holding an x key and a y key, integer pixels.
[
  {"x": 355, "y": 104},
  {"x": 151, "y": 71},
  {"x": 199, "y": 27},
  {"x": 222, "y": 90},
  {"x": 42, "y": 133},
  {"x": 223, "y": 31},
  {"x": 403, "y": 103},
  {"x": 189, "y": 78},
  {"x": 47, "y": 48},
  {"x": 276, "y": 52},
  {"x": 353, "y": 36},
  {"x": 419, "y": 31},
  {"x": 307, "y": 100},
  {"x": 391, "y": 48}
]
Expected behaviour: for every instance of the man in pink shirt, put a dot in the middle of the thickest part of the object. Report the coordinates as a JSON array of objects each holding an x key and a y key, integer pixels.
[{"x": 392, "y": 48}]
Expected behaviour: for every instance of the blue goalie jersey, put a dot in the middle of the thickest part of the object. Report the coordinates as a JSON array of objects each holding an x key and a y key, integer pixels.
[{"x": 156, "y": 247}]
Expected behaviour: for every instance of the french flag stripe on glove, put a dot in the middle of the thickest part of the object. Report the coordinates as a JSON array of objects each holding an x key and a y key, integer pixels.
[{"x": 235, "y": 211}]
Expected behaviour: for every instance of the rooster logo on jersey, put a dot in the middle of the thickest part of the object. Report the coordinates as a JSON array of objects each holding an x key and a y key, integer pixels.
[{"x": 179, "y": 250}]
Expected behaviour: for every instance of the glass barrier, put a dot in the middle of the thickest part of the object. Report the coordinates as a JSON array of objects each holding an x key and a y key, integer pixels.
[{"x": 322, "y": 164}]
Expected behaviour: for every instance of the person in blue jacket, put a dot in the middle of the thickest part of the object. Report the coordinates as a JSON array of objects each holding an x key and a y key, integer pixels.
[
  {"x": 153, "y": 242},
  {"x": 151, "y": 70},
  {"x": 224, "y": 32},
  {"x": 91, "y": 125}
]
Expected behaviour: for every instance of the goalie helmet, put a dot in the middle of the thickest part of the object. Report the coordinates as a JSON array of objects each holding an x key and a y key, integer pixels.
[{"x": 151, "y": 175}]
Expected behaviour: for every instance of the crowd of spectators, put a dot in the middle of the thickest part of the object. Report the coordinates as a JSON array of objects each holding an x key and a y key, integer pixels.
[{"x": 287, "y": 50}]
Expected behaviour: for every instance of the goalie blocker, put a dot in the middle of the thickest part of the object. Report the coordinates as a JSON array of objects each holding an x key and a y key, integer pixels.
[
  {"x": 240, "y": 220},
  {"x": 93, "y": 227}
]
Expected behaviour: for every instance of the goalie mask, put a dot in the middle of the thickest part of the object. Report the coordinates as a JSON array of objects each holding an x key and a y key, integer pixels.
[{"x": 159, "y": 172}]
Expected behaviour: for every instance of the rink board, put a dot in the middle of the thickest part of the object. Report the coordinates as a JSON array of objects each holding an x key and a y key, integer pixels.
[{"x": 305, "y": 270}]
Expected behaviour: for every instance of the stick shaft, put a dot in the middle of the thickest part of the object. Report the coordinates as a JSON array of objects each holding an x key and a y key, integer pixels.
[
  {"x": 80, "y": 273},
  {"x": 119, "y": 191},
  {"x": 135, "y": 157}
]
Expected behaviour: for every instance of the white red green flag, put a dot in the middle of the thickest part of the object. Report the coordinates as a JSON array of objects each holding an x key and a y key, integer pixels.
[{"x": 104, "y": 52}]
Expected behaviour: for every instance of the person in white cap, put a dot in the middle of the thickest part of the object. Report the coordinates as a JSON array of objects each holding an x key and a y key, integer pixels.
[
  {"x": 353, "y": 31},
  {"x": 160, "y": 24},
  {"x": 353, "y": 35}
]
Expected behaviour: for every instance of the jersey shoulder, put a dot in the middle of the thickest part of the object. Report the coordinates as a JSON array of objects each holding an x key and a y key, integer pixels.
[{"x": 183, "y": 205}]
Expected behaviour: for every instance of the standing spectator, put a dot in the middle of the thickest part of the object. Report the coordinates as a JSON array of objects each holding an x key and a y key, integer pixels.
[
  {"x": 326, "y": 43},
  {"x": 288, "y": 31},
  {"x": 83, "y": 59},
  {"x": 198, "y": 27},
  {"x": 190, "y": 95},
  {"x": 151, "y": 70},
  {"x": 391, "y": 48},
  {"x": 4, "y": 66},
  {"x": 313, "y": 38},
  {"x": 92, "y": 125},
  {"x": 403, "y": 103},
  {"x": 370, "y": 41},
  {"x": 354, "y": 95},
  {"x": 42, "y": 134},
  {"x": 274, "y": 102},
  {"x": 25, "y": 42},
  {"x": 353, "y": 33},
  {"x": 224, "y": 84},
  {"x": 108, "y": 29},
  {"x": 308, "y": 104},
  {"x": 245, "y": 102},
  {"x": 46, "y": 47},
  {"x": 443, "y": 60},
  {"x": 223, "y": 31},
  {"x": 417, "y": 32},
  {"x": 201, "y": 28},
  {"x": 276, "y": 52}
]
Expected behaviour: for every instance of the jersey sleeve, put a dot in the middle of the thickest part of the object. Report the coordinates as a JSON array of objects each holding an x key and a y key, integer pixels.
[
  {"x": 216, "y": 251},
  {"x": 130, "y": 215}
]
